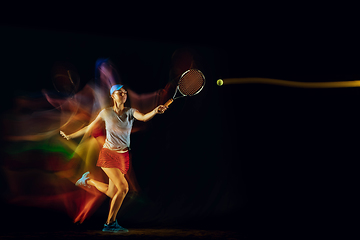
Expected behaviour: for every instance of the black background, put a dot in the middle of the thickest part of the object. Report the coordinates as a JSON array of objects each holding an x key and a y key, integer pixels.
[{"x": 250, "y": 157}]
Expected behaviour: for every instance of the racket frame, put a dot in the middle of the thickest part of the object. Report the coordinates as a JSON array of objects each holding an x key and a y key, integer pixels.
[{"x": 176, "y": 95}]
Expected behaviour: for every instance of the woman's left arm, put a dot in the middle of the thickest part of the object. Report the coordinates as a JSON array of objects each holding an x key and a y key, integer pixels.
[{"x": 146, "y": 117}]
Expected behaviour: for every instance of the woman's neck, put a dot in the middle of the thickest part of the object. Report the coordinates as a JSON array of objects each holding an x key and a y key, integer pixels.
[{"x": 118, "y": 108}]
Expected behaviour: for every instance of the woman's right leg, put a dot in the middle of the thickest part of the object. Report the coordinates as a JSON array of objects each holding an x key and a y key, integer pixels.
[{"x": 108, "y": 189}]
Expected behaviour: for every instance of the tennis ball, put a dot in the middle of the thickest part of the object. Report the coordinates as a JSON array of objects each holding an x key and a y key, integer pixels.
[{"x": 220, "y": 82}]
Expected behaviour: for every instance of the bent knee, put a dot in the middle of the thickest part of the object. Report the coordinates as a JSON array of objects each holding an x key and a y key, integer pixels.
[
  {"x": 124, "y": 190},
  {"x": 121, "y": 190},
  {"x": 111, "y": 193}
]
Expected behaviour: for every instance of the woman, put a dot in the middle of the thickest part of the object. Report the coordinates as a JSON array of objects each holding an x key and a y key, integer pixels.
[{"x": 114, "y": 156}]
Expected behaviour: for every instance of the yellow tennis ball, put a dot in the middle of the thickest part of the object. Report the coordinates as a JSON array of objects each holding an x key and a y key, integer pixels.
[{"x": 220, "y": 82}]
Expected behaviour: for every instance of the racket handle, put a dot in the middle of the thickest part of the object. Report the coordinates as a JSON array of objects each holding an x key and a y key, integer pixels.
[{"x": 169, "y": 102}]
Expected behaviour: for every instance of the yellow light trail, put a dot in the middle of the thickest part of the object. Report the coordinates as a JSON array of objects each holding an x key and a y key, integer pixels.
[{"x": 341, "y": 84}]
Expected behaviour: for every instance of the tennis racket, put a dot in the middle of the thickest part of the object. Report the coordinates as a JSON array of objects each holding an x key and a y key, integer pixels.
[{"x": 191, "y": 83}]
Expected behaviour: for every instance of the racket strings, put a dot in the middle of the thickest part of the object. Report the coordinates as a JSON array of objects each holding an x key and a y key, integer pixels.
[{"x": 191, "y": 82}]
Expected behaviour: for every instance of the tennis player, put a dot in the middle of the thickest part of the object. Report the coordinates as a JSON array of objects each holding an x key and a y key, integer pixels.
[{"x": 114, "y": 156}]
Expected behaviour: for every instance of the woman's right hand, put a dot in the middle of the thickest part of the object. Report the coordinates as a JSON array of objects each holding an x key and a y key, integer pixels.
[{"x": 64, "y": 135}]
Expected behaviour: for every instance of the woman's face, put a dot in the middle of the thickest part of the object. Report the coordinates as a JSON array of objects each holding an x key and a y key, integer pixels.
[{"x": 120, "y": 96}]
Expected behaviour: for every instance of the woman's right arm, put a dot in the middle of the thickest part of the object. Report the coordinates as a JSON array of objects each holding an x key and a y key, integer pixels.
[{"x": 82, "y": 131}]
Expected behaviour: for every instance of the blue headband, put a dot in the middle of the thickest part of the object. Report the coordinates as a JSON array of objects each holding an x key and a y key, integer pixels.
[{"x": 115, "y": 88}]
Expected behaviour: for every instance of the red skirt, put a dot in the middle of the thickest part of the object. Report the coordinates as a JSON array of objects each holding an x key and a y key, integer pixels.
[{"x": 111, "y": 159}]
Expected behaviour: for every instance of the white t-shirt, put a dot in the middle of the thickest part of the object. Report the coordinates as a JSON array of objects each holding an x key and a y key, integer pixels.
[{"x": 118, "y": 128}]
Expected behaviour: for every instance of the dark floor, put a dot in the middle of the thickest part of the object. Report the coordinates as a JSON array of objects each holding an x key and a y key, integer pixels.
[{"x": 132, "y": 234}]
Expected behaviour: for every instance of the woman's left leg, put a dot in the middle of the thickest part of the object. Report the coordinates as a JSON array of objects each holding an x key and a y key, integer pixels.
[{"x": 118, "y": 178}]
